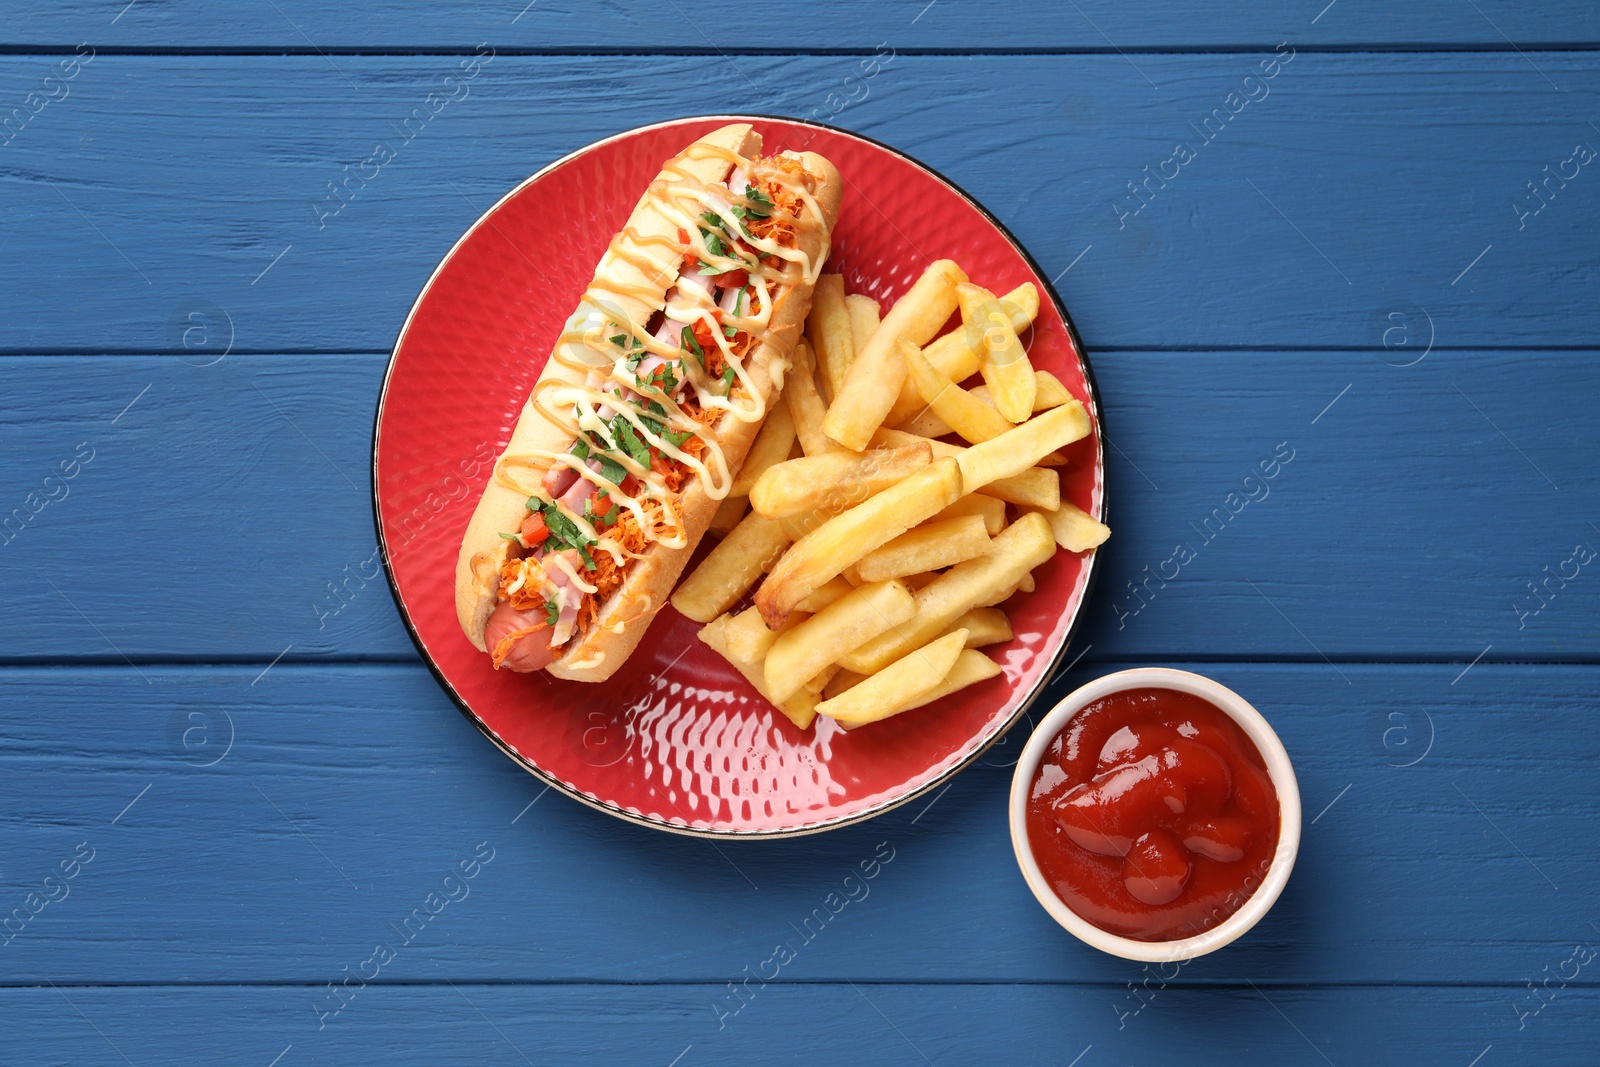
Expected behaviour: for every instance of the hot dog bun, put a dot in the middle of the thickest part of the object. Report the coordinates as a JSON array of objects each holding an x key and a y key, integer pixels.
[{"x": 633, "y": 278}]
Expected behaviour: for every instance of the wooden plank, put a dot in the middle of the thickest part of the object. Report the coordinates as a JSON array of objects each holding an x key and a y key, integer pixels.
[
  {"x": 349, "y": 793},
  {"x": 1413, "y": 521},
  {"x": 678, "y": 1025},
  {"x": 832, "y": 24},
  {"x": 197, "y": 184}
]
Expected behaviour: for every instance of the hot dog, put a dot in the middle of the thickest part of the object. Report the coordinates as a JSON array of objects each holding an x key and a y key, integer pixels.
[{"x": 643, "y": 414}]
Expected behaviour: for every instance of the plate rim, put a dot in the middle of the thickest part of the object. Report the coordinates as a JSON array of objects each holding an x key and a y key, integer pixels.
[{"x": 712, "y": 833}]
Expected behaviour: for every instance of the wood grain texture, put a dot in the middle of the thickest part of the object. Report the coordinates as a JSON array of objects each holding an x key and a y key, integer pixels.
[
  {"x": 803, "y": 1024},
  {"x": 1414, "y": 520},
  {"x": 350, "y": 792},
  {"x": 1357, "y": 188},
  {"x": 1354, "y": 268},
  {"x": 832, "y": 24}
]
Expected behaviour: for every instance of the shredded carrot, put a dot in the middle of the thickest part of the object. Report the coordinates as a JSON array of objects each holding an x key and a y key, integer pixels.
[
  {"x": 502, "y": 648},
  {"x": 529, "y": 596},
  {"x": 608, "y": 576},
  {"x": 778, "y": 225}
]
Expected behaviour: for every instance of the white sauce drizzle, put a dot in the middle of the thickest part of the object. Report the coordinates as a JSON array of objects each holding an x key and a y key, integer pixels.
[{"x": 587, "y": 343}]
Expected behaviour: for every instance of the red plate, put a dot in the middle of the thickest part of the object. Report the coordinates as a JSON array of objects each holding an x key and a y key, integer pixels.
[{"x": 677, "y": 739}]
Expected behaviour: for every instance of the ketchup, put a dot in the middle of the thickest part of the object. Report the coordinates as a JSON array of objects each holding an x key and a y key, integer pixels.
[{"x": 1152, "y": 815}]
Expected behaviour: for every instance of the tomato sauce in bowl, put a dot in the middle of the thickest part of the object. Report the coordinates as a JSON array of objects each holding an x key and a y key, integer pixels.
[{"x": 1152, "y": 815}]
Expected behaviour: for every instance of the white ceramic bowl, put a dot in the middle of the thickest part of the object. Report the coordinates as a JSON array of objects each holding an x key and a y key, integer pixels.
[{"x": 1278, "y": 767}]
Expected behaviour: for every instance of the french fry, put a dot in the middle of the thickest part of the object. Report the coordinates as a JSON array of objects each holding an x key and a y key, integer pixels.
[
  {"x": 926, "y": 424},
  {"x": 991, "y": 509},
  {"x": 1034, "y": 487},
  {"x": 917, "y": 581},
  {"x": 957, "y": 355},
  {"x": 849, "y": 622},
  {"x": 797, "y": 526},
  {"x": 864, "y": 318},
  {"x": 929, "y": 424},
  {"x": 748, "y": 637},
  {"x": 959, "y": 352},
  {"x": 827, "y": 594},
  {"x": 899, "y": 685},
  {"x": 801, "y": 709},
  {"x": 929, "y": 547},
  {"x": 729, "y": 512},
  {"x": 1048, "y": 392},
  {"x": 1076, "y": 530},
  {"x": 984, "y": 626},
  {"x": 806, "y": 407},
  {"x": 971, "y": 668},
  {"x": 1003, "y": 361},
  {"x": 979, "y": 582},
  {"x": 1025, "y": 584},
  {"x": 841, "y": 682},
  {"x": 731, "y": 568},
  {"x": 826, "y": 551},
  {"x": 828, "y": 326},
  {"x": 819, "y": 681},
  {"x": 835, "y": 481},
  {"x": 1020, "y": 448},
  {"x": 964, "y": 413},
  {"x": 771, "y": 446},
  {"x": 875, "y": 378}
]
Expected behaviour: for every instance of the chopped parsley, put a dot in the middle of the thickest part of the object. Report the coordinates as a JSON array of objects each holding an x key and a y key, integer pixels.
[
  {"x": 628, "y": 440},
  {"x": 564, "y": 533},
  {"x": 611, "y": 470},
  {"x": 738, "y": 312},
  {"x": 760, "y": 208},
  {"x": 661, "y": 379},
  {"x": 552, "y": 612},
  {"x": 561, "y": 528},
  {"x": 715, "y": 245},
  {"x": 512, "y": 537},
  {"x": 598, "y": 521},
  {"x": 761, "y": 205},
  {"x": 689, "y": 344},
  {"x": 727, "y": 377},
  {"x": 738, "y": 303}
]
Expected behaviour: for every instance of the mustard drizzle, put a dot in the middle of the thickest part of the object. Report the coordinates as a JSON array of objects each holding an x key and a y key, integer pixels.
[{"x": 585, "y": 347}]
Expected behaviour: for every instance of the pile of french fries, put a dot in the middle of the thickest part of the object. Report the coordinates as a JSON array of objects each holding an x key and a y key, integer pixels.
[{"x": 882, "y": 545}]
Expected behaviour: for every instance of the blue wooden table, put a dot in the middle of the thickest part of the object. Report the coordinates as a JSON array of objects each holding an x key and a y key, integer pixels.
[{"x": 239, "y": 823}]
